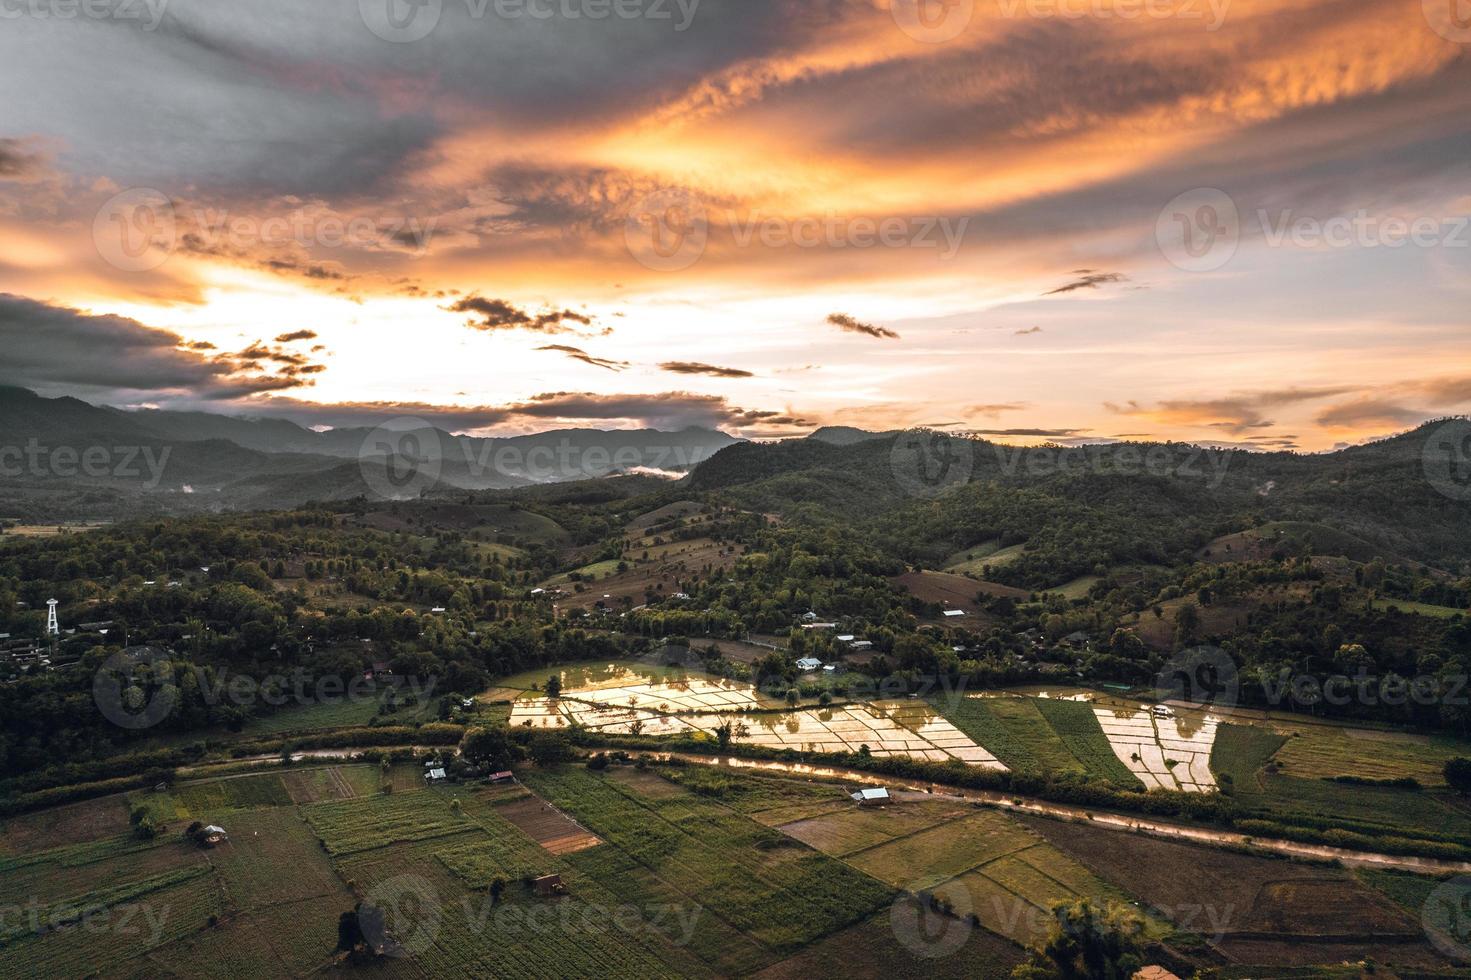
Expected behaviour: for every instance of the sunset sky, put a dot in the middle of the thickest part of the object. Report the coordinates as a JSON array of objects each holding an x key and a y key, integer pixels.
[{"x": 1006, "y": 216}]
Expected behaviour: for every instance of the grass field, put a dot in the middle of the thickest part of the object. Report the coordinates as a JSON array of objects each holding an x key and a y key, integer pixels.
[
  {"x": 1419, "y": 608},
  {"x": 973, "y": 560},
  {"x": 1320, "y": 751}
]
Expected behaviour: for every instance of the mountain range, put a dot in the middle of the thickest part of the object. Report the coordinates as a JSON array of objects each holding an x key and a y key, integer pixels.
[{"x": 92, "y": 460}]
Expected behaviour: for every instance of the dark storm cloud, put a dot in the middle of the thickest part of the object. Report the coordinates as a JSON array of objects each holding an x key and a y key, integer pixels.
[
  {"x": 497, "y": 314},
  {"x": 1034, "y": 433},
  {"x": 671, "y": 410},
  {"x": 57, "y": 348},
  {"x": 696, "y": 367},
  {"x": 850, "y": 324},
  {"x": 1087, "y": 279},
  {"x": 578, "y": 354},
  {"x": 18, "y": 161},
  {"x": 295, "y": 335}
]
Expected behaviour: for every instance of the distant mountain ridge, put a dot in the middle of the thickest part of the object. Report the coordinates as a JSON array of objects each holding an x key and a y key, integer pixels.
[{"x": 239, "y": 462}]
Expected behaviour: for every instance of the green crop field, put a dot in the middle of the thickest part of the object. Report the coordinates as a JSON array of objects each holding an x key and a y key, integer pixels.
[
  {"x": 1318, "y": 751},
  {"x": 1079, "y": 730},
  {"x": 374, "y": 821},
  {"x": 926, "y": 858},
  {"x": 1013, "y": 730},
  {"x": 774, "y": 889},
  {"x": 208, "y": 799}
]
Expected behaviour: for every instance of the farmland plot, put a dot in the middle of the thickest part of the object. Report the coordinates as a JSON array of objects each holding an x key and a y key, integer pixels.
[
  {"x": 888, "y": 728},
  {"x": 1077, "y": 726},
  {"x": 926, "y": 858},
  {"x": 367, "y": 822},
  {"x": 450, "y": 928},
  {"x": 1163, "y": 753},
  {"x": 151, "y": 921},
  {"x": 774, "y": 889}
]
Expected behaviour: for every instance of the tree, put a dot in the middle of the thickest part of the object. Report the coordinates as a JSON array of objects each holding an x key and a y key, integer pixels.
[
  {"x": 554, "y": 686},
  {"x": 722, "y": 735},
  {"x": 1458, "y": 775},
  {"x": 487, "y": 746},
  {"x": 1187, "y": 622},
  {"x": 1085, "y": 943},
  {"x": 549, "y": 748}
]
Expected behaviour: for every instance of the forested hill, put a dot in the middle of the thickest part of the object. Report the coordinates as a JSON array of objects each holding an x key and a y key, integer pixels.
[{"x": 1104, "y": 505}]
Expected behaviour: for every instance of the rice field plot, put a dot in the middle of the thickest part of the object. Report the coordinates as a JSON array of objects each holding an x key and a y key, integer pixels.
[
  {"x": 450, "y": 927},
  {"x": 1163, "y": 753},
  {"x": 206, "y": 799},
  {"x": 330, "y": 783},
  {"x": 775, "y": 889},
  {"x": 547, "y": 826},
  {"x": 926, "y": 858},
  {"x": 56, "y": 827},
  {"x": 1409, "y": 891},
  {"x": 233, "y": 949},
  {"x": 273, "y": 858},
  {"x": 1077, "y": 726},
  {"x": 646, "y": 783},
  {"x": 142, "y": 925},
  {"x": 1277, "y": 907},
  {"x": 872, "y": 950},
  {"x": 1318, "y": 751},
  {"x": 1240, "y": 752},
  {"x": 405, "y": 777},
  {"x": 749, "y": 794},
  {"x": 856, "y": 828},
  {"x": 360, "y": 824},
  {"x": 720, "y": 947},
  {"x": 53, "y": 876},
  {"x": 40, "y": 916},
  {"x": 1014, "y": 730}
]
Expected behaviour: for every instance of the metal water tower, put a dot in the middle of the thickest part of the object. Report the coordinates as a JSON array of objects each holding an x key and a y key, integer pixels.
[{"x": 52, "y": 629}]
